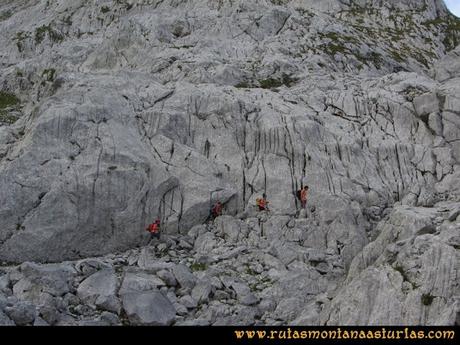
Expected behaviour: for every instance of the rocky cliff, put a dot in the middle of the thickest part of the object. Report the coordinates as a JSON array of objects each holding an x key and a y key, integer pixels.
[{"x": 113, "y": 113}]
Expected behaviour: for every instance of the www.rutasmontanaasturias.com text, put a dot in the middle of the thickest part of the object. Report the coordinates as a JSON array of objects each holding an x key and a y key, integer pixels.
[{"x": 339, "y": 333}]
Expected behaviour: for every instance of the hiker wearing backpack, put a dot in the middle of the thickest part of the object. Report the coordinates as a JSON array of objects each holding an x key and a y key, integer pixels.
[
  {"x": 303, "y": 194},
  {"x": 154, "y": 229},
  {"x": 262, "y": 203},
  {"x": 216, "y": 211}
]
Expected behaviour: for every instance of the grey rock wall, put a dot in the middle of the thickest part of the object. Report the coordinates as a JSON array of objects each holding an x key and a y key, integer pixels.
[{"x": 115, "y": 113}]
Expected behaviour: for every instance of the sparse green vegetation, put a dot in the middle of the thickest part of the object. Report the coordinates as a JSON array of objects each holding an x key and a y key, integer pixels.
[
  {"x": 338, "y": 38},
  {"x": 49, "y": 74},
  {"x": 434, "y": 22},
  {"x": 243, "y": 85},
  {"x": 68, "y": 20},
  {"x": 400, "y": 269},
  {"x": 128, "y": 6},
  {"x": 337, "y": 45},
  {"x": 8, "y": 102},
  {"x": 411, "y": 92},
  {"x": 185, "y": 46},
  {"x": 7, "y": 118},
  {"x": 250, "y": 271},
  {"x": 452, "y": 38},
  {"x": 450, "y": 26},
  {"x": 260, "y": 280},
  {"x": 427, "y": 299},
  {"x": 403, "y": 273},
  {"x": 396, "y": 56},
  {"x": 271, "y": 83},
  {"x": 5, "y": 15},
  {"x": 428, "y": 40},
  {"x": 42, "y": 31},
  {"x": 196, "y": 266},
  {"x": 20, "y": 37},
  {"x": 404, "y": 30},
  {"x": 376, "y": 58},
  {"x": 278, "y": 2},
  {"x": 304, "y": 12},
  {"x": 288, "y": 80},
  {"x": 333, "y": 48},
  {"x": 357, "y": 10}
]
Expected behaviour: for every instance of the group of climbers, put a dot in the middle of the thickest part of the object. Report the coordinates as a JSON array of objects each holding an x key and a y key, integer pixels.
[
  {"x": 216, "y": 210},
  {"x": 261, "y": 203}
]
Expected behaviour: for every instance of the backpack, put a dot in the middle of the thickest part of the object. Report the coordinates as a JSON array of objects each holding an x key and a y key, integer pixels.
[{"x": 298, "y": 194}]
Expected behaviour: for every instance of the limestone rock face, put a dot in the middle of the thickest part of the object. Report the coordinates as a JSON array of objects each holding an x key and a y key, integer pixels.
[
  {"x": 155, "y": 110},
  {"x": 411, "y": 277},
  {"x": 116, "y": 113}
]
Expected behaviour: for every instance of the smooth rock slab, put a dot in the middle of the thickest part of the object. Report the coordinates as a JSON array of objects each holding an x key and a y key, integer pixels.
[
  {"x": 22, "y": 313},
  {"x": 109, "y": 303},
  {"x": 188, "y": 302},
  {"x": 5, "y": 320},
  {"x": 184, "y": 276},
  {"x": 101, "y": 283},
  {"x": 148, "y": 308},
  {"x": 244, "y": 294},
  {"x": 201, "y": 292},
  {"x": 4, "y": 283},
  {"x": 167, "y": 277}
]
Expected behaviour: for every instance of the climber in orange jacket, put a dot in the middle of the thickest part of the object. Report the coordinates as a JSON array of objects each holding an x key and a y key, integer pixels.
[{"x": 262, "y": 203}]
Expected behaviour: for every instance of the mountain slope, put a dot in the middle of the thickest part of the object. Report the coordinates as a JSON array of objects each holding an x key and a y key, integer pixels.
[{"x": 114, "y": 113}]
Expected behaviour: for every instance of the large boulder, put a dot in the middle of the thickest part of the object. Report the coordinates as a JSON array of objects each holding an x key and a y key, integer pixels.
[
  {"x": 148, "y": 308},
  {"x": 202, "y": 291},
  {"x": 36, "y": 281},
  {"x": 21, "y": 313},
  {"x": 184, "y": 276},
  {"x": 5, "y": 320},
  {"x": 98, "y": 287}
]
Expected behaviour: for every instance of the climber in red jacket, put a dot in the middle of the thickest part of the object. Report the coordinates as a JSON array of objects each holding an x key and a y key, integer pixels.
[
  {"x": 154, "y": 229},
  {"x": 217, "y": 210},
  {"x": 303, "y": 196}
]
